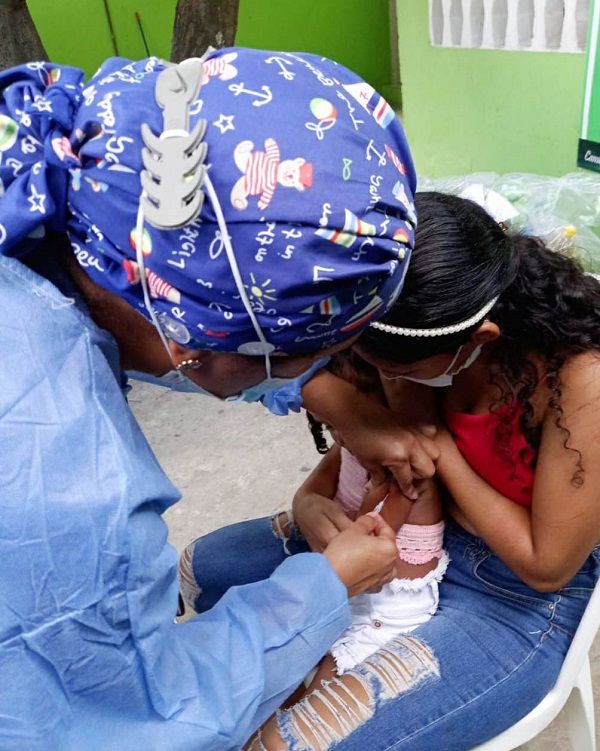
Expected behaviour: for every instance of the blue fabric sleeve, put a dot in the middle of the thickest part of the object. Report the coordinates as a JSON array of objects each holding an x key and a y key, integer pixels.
[
  {"x": 238, "y": 662},
  {"x": 89, "y": 649},
  {"x": 289, "y": 397}
]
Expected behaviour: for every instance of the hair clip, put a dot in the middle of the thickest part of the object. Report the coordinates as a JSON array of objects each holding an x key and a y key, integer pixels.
[{"x": 172, "y": 196}]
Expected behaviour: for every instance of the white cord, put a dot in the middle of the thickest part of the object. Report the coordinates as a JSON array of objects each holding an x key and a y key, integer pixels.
[
  {"x": 139, "y": 255},
  {"x": 235, "y": 270},
  {"x": 139, "y": 235},
  {"x": 214, "y": 199}
]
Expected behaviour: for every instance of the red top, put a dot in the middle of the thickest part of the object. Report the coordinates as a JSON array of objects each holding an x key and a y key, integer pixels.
[{"x": 509, "y": 470}]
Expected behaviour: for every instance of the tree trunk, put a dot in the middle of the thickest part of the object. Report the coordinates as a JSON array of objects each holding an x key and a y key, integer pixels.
[
  {"x": 203, "y": 23},
  {"x": 20, "y": 41}
]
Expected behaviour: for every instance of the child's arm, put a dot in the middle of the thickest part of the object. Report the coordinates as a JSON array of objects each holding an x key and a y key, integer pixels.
[
  {"x": 417, "y": 404},
  {"x": 317, "y": 515},
  {"x": 396, "y": 506},
  {"x": 398, "y": 510}
]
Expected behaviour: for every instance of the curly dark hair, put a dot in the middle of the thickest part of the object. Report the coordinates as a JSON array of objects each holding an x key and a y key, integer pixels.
[{"x": 547, "y": 306}]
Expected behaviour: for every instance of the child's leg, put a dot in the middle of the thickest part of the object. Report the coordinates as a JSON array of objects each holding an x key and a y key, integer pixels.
[
  {"x": 401, "y": 606},
  {"x": 352, "y": 697},
  {"x": 410, "y": 599}
]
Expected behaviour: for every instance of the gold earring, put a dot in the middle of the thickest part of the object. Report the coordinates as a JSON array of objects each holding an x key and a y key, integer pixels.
[{"x": 189, "y": 364}]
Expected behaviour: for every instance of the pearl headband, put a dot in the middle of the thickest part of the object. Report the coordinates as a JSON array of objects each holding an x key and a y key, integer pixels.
[{"x": 442, "y": 330}]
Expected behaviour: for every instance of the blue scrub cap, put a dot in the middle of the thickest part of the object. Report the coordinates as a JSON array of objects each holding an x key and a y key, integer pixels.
[{"x": 308, "y": 165}]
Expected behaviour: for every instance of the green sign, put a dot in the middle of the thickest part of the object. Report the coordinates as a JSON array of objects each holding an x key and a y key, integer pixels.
[{"x": 589, "y": 144}]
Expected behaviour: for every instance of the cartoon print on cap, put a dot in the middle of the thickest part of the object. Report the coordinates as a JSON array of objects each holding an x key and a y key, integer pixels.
[
  {"x": 157, "y": 285},
  {"x": 364, "y": 314},
  {"x": 399, "y": 192},
  {"x": 396, "y": 161},
  {"x": 96, "y": 185},
  {"x": 342, "y": 257},
  {"x": 52, "y": 76},
  {"x": 353, "y": 228},
  {"x": 9, "y": 130},
  {"x": 328, "y": 306},
  {"x": 263, "y": 170},
  {"x": 146, "y": 240},
  {"x": 373, "y": 102},
  {"x": 220, "y": 67},
  {"x": 62, "y": 148},
  {"x": 326, "y": 115}
]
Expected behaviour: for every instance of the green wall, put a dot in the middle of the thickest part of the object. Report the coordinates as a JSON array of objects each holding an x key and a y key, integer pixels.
[
  {"x": 76, "y": 32},
  {"x": 356, "y": 33},
  {"x": 478, "y": 110},
  {"x": 464, "y": 110}
]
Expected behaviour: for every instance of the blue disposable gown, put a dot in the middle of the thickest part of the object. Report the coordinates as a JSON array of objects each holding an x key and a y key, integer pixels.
[{"x": 90, "y": 656}]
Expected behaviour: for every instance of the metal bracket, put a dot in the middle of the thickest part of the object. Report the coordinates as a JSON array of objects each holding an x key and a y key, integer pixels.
[{"x": 174, "y": 161}]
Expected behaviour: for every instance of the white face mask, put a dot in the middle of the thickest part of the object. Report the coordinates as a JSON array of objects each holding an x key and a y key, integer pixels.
[{"x": 445, "y": 379}]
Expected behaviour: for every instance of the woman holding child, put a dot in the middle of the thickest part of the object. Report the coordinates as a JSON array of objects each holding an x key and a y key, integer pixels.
[{"x": 496, "y": 339}]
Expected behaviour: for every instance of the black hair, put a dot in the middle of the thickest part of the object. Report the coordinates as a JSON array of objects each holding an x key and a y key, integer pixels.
[
  {"x": 546, "y": 307},
  {"x": 346, "y": 365},
  {"x": 462, "y": 260},
  {"x": 317, "y": 431}
]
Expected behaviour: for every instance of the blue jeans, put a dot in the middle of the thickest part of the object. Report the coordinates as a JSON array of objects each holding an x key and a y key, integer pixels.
[{"x": 492, "y": 651}]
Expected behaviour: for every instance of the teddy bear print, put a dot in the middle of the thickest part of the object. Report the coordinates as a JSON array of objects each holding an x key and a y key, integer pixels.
[
  {"x": 156, "y": 284},
  {"x": 263, "y": 170},
  {"x": 399, "y": 192},
  {"x": 220, "y": 67}
]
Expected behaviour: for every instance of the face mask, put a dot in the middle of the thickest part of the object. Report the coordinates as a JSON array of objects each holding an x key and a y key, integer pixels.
[
  {"x": 445, "y": 379},
  {"x": 173, "y": 380},
  {"x": 254, "y": 393},
  {"x": 177, "y": 381}
]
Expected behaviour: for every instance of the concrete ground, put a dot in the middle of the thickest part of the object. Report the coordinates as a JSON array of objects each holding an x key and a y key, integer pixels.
[{"x": 234, "y": 462}]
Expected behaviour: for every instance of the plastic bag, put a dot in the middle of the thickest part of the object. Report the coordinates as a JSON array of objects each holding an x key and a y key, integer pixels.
[{"x": 563, "y": 211}]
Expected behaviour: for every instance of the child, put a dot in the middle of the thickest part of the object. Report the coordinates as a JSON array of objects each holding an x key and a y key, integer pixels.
[{"x": 411, "y": 598}]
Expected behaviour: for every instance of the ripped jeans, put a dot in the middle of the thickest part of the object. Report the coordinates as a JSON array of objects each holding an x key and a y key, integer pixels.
[
  {"x": 241, "y": 553},
  {"x": 491, "y": 652}
]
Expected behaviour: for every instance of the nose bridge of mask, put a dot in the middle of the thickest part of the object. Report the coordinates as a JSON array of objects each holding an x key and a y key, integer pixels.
[{"x": 179, "y": 172}]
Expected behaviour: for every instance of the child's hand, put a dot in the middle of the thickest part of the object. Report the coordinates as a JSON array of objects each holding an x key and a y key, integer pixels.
[
  {"x": 364, "y": 555},
  {"x": 320, "y": 519}
]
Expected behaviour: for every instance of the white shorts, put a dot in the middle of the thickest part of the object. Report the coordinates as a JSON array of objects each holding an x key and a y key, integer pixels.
[{"x": 400, "y": 606}]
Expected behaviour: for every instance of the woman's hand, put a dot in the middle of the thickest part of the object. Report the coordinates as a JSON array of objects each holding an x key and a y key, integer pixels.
[
  {"x": 364, "y": 555},
  {"x": 385, "y": 448},
  {"x": 376, "y": 437},
  {"x": 319, "y": 519}
]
